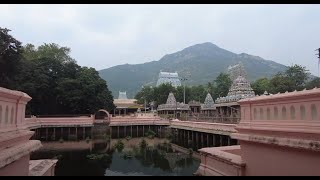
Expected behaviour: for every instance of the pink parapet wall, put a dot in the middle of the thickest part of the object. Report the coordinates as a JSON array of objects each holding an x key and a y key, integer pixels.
[
  {"x": 15, "y": 146},
  {"x": 278, "y": 134}
]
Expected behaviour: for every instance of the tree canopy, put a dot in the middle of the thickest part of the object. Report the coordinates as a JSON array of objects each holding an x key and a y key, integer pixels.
[
  {"x": 56, "y": 83},
  {"x": 296, "y": 77}
]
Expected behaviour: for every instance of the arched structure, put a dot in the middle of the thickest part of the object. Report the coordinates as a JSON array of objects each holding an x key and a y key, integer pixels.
[{"x": 103, "y": 114}]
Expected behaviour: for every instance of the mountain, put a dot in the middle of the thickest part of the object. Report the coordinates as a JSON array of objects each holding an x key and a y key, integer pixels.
[{"x": 203, "y": 62}]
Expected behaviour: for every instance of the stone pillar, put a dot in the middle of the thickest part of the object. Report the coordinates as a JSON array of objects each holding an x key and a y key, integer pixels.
[
  {"x": 46, "y": 134},
  {"x": 84, "y": 133},
  {"x": 76, "y": 133},
  {"x": 184, "y": 138},
  {"x": 54, "y": 133},
  {"x": 142, "y": 130},
  {"x": 213, "y": 140},
  {"x": 197, "y": 140},
  {"x": 137, "y": 131},
  {"x": 160, "y": 131},
  {"x": 149, "y": 127},
  {"x": 192, "y": 137},
  {"x": 69, "y": 133},
  {"x": 125, "y": 131},
  {"x": 61, "y": 132},
  {"x": 111, "y": 131},
  {"x": 229, "y": 139},
  {"x": 202, "y": 141},
  {"x": 221, "y": 144},
  {"x": 208, "y": 140},
  {"x": 131, "y": 131},
  {"x": 118, "y": 131}
]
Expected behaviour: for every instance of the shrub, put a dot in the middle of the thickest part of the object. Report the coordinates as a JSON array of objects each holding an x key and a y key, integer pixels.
[{"x": 72, "y": 137}]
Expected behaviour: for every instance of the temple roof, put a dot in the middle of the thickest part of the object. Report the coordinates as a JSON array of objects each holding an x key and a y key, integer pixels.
[
  {"x": 172, "y": 104},
  {"x": 208, "y": 103},
  {"x": 240, "y": 89},
  {"x": 194, "y": 103}
]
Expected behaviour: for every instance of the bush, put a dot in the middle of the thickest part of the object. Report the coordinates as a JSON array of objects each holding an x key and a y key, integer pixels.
[
  {"x": 150, "y": 134},
  {"x": 87, "y": 139},
  {"x": 119, "y": 146},
  {"x": 72, "y": 137},
  {"x": 143, "y": 144},
  {"x": 53, "y": 137},
  {"x": 128, "y": 138}
]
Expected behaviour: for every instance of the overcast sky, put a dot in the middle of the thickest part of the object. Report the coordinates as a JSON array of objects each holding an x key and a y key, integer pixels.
[{"x": 102, "y": 36}]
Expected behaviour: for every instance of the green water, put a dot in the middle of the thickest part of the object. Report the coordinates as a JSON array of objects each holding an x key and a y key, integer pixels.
[{"x": 130, "y": 158}]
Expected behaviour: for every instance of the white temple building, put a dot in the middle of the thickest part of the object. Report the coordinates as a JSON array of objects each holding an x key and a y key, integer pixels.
[{"x": 167, "y": 77}]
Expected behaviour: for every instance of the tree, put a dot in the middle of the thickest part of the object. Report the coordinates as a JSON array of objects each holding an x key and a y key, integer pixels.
[
  {"x": 298, "y": 76},
  {"x": 262, "y": 85},
  {"x": 222, "y": 85},
  {"x": 313, "y": 83},
  {"x": 10, "y": 56},
  {"x": 146, "y": 94},
  {"x": 161, "y": 93},
  {"x": 51, "y": 50},
  {"x": 294, "y": 78},
  {"x": 58, "y": 85}
]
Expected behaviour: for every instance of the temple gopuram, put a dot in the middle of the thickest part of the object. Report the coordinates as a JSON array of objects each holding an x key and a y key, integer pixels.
[
  {"x": 170, "y": 78},
  {"x": 208, "y": 108},
  {"x": 228, "y": 106},
  {"x": 172, "y": 108}
]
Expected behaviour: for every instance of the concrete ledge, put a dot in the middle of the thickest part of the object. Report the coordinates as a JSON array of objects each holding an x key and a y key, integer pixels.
[
  {"x": 43, "y": 167},
  {"x": 216, "y": 128},
  {"x": 12, "y": 138},
  {"x": 14, "y": 153},
  {"x": 221, "y": 161},
  {"x": 313, "y": 145}
]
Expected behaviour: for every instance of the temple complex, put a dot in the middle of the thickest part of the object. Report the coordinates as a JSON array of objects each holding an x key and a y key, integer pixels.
[
  {"x": 172, "y": 108},
  {"x": 278, "y": 134},
  {"x": 167, "y": 77}
]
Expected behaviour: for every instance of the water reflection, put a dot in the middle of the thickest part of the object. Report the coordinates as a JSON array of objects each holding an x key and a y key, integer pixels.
[{"x": 125, "y": 157}]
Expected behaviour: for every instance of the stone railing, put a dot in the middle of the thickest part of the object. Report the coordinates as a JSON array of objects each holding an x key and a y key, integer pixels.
[
  {"x": 225, "y": 120},
  {"x": 137, "y": 121},
  {"x": 216, "y": 128},
  {"x": 35, "y": 122}
]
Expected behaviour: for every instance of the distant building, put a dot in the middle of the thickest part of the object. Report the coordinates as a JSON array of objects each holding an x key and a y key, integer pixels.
[
  {"x": 125, "y": 106},
  {"x": 122, "y": 95},
  {"x": 167, "y": 77}
]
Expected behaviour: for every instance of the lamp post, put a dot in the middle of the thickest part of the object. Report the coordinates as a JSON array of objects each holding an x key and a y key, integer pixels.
[
  {"x": 318, "y": 60},
  {"x": 184, "y": 89}
]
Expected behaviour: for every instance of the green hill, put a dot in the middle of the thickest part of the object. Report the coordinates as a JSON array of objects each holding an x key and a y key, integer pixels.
[{"x": 203, "y": 61}]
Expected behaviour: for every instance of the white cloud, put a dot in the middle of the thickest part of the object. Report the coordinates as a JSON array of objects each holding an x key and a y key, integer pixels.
[{"x": 106, "y": 35}]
